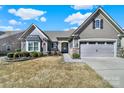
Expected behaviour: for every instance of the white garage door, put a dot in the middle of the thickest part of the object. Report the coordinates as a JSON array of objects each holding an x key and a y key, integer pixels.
[{"x": 97, "y": 49}]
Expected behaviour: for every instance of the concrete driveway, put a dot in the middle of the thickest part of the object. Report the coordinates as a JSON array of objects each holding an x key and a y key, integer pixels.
[{"x": 111, "y": 69}]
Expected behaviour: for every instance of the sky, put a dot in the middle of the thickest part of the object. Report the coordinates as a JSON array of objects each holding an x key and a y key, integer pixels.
[{"x": 52, "y": 17}]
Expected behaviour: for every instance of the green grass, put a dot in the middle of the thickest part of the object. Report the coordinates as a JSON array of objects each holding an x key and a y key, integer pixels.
[{"x": 48, "y": 72}]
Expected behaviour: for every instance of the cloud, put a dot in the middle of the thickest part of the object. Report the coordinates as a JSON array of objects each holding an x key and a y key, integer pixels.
[
  {"x": 14, "y": 22},
  {"x": 77, "y": 18},
  {"x": 43, "y": 19},
  {"x": 12, "y": 11},
  {"x": 85, "y": 7},
  {"x": 27, "y": 13},
  {"x": 1, "y": 7},
  {"x": 6, "y": 28},
  {"x": 68, "y": 29},
  {"x": 17, "y": 29}
]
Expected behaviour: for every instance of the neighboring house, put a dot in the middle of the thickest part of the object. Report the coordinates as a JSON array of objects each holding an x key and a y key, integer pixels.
[{"x": 98, "y": 36}]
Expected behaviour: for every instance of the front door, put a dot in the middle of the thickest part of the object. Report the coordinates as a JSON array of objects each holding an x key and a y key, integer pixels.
[{"x": 64, "y": 47}]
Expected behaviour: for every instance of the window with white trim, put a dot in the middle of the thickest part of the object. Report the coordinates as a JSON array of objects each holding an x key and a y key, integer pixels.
[
  {"x": 97, "y": 23},
  {"x": 54, "y": 45},
  {"x": 33, "y": 46}
]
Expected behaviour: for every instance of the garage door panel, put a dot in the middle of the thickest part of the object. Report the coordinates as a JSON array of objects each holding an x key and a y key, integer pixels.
[{"x": 97, "y": 50}]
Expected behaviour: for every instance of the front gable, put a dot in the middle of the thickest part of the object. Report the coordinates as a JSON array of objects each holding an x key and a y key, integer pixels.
[
  {"x": 110, "y": 28},
  {"x": 33, "y": 30},
  {"x": 107, "y": 30}
]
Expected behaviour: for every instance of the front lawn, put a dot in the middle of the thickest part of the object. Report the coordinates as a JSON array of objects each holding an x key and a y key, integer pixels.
[{"x": 48, "y": 72}]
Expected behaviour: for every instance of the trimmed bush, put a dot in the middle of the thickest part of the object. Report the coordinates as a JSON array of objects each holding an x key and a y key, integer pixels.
[
  {"x": 40, "y": 54},
  {"x": 10, "y": 55},
  {"x": 75, "y": 56},
  {"x": 16, "y": 55},
  {"x": 3, "y": 53},
  {"x": 121, "y": 52},
  {"x": 26, "y": 54},
  {"x": 34, "y": 54}
]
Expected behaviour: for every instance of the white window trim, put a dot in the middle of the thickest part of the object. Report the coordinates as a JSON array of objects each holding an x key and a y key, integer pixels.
[
  {"x": 99, "y": 23},
  {"x": 27, "y": 47}
]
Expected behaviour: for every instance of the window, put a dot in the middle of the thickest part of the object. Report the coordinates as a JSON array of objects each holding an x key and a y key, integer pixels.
[
  {"x": 33, "y": 46},
  {"x": 54, "y": 45},
  {"x": 8, "y": 47},
  {"x": 101, "y": 42},
  {"x": 97, "y": 23},
  {"x": 83, "y": 42},
  {"x": 92, "y": 42},
  {"x": 110, "y": 43},
  {"x": 30, "y": 46}
]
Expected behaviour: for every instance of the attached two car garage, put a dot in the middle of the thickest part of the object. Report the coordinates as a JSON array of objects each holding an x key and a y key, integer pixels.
[{"x": 98, "y": 48}]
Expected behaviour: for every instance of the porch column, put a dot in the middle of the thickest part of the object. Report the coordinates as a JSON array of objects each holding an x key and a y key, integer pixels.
[
  {"x": 46, "y": 47},
  {"x": 59, "y": 46}
]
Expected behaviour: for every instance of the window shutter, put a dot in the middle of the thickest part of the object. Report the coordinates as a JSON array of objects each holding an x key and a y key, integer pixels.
[
  {"x": 93, "y": 24},
  {"x": 101, "y": 24}
]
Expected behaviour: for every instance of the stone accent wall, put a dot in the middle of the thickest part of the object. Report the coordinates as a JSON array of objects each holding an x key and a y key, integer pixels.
[
  {"x": 76, "y": 50},
  {"x": 73, "y": 50}
]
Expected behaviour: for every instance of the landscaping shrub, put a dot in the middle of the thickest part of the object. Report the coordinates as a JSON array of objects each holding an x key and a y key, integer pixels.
[
  {"x": 26, "y": 54},
  {"x": 40, "y": 54},
  {"x": 16, "y": 55},
  {"x": 10, "y": 55},
  {"x": 3, "y": 53},
  {"x": 34, "y": 54},
  {"x": 121, "y": 54},
  {"x": 75, "y": 55}
]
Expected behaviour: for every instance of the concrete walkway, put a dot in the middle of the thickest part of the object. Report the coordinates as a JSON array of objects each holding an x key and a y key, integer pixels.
[
  {"x": 2, "y": 57},
  {"x": 67, "y": 58}
]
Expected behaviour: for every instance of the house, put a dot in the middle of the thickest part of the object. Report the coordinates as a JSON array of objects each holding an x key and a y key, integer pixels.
[{"x": 98, "y": 36}]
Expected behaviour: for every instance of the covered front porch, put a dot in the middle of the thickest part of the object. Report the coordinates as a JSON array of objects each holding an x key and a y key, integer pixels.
[{"x": 63, "y": 46}]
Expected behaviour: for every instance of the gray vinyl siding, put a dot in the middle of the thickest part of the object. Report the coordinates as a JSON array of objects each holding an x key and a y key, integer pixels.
[{"x": 108, "y": 31}]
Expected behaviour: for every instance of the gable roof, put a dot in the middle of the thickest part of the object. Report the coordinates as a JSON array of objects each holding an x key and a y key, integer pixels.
[
  {"x": 10, "y": 33},
  {"x": 29, "y": 30},
  {"x": 92, "y": 16},
  {"x": 53, "y": 35}
]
